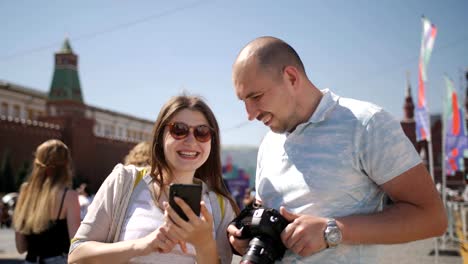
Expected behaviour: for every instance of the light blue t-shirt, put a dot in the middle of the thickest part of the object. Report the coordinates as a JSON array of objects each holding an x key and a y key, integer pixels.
[{"x": 332, "y": 166}]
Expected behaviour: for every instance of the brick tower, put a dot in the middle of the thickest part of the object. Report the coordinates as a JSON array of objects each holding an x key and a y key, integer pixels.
[{"x": 66, "y": 107}]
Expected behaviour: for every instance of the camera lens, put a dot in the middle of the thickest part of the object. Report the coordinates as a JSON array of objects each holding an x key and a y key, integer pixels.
[{"x": 260, "y": 251}]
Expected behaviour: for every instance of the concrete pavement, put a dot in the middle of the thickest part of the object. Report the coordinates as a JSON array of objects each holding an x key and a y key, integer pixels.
[
  {"x": 409, "y": 253},
  {"x": 8, "y": 253}
]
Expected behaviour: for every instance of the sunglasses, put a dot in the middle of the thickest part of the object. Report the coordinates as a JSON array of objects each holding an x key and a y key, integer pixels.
[{"x": 179, "y": 130}]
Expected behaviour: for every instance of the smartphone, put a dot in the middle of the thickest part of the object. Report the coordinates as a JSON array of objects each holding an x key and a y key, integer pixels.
[{"x": 190, "y": 193}]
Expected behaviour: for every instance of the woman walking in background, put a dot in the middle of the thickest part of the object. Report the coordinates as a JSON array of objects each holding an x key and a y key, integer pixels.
[{"x": 47, "y": 214}]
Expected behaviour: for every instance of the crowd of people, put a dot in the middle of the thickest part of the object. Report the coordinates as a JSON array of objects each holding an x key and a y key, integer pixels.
[{"x": 325, "y": 165}]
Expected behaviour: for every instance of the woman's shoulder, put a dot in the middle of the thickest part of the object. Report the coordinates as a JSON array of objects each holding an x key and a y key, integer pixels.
[
  {"x": 121, "y": 170},
  {"x": 71, "y": 195},
  {"x": 120, "y": 174}
]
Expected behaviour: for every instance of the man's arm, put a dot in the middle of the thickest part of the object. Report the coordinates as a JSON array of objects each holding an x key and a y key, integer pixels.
[{"x": 417, "y": 213}]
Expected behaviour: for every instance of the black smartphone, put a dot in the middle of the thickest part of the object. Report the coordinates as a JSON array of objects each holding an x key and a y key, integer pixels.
[{"x": 190, "y": 193}]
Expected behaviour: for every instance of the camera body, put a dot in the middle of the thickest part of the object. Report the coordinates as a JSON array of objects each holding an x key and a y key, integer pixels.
[{"x": 263, "y": 226}]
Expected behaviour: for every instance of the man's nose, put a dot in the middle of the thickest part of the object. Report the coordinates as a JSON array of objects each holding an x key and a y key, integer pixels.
[{"x": 252, "y": 110}]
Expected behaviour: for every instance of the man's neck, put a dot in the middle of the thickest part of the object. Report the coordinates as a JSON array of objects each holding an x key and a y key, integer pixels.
[{"x": 309, "y": 101}]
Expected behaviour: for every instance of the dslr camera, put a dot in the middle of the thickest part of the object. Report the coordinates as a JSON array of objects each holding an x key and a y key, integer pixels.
[{"x": 263, "y": 226}]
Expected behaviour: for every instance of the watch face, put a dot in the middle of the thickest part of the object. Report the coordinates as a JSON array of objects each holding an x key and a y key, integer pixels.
[{"x": 334, "y": 236}]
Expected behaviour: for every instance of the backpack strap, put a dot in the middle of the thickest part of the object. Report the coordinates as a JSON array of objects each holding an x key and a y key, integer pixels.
[
  {"x": 221, "y": 204},
  {"x": 139, "y": 177},
  {"x": 217, "y": 208}
]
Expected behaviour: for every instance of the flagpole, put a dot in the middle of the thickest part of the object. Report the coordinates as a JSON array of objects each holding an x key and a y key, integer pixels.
[
  {"x": 431, "y": 170},
  {"x": 444, "y": 169},
  {"x": 423, "y": 123}
]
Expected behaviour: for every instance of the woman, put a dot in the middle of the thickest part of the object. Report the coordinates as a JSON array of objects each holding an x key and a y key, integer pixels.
[
  {"x": 47, "y": 214},
  {"x": 139, "y": 155},
  {"x": 130, "y": 219}
]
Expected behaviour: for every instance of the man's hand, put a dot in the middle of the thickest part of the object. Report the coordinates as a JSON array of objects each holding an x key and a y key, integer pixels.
[
  {"x": 240, "y": 245},
  {"x": 304, "y": 234}
]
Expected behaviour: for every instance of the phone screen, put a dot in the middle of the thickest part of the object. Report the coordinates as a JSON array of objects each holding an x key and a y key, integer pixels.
[{"x": 190, "y": 193}]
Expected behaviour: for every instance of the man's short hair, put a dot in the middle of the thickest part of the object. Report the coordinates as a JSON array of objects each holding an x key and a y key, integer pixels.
[{"x": 276, "y": 55}]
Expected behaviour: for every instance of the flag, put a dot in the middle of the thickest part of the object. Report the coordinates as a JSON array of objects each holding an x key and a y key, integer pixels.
[
  {"x": 423, "y": 128},
  {"x": 455, "y": 130},
  {"x": 228, "y": 167}
]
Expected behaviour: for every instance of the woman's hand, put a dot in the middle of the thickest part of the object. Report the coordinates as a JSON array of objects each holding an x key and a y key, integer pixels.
[
  {"x": 239, "y": 244},
  {"x": 159, "y": 241},
  {"x": 197, "y": 231}
]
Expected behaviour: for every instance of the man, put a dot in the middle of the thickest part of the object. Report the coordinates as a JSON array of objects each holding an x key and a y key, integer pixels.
[{"x": 327, "y": 162}]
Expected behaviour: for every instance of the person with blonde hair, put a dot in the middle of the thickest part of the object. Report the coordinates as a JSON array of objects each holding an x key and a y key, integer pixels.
[
  {"x": 47, "y": 214},
  {"x": 139, "y": 155},
  {"x": 130, "y": 220}
]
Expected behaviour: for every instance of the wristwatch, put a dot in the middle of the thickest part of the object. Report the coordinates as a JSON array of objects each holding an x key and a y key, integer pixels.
[{"x": 332, "y": 233}]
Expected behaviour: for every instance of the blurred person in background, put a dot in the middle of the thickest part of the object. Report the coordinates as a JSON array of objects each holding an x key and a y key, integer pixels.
[
  {"x": 47, "y": 213},
  {"x": 139, "y": 155},
  {"x": 84, "y": 198},
  {"x": 249, "y": 197}
]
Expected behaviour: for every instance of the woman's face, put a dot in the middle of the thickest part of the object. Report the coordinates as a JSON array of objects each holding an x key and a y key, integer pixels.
[{"x": 186, "y": 154}]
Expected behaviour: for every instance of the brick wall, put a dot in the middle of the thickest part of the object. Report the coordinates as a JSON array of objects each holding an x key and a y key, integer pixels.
[{"x": 93, "y": 157}]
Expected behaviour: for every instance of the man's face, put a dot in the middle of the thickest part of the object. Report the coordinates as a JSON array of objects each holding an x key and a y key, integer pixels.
[{"x": 267, "y": 98}]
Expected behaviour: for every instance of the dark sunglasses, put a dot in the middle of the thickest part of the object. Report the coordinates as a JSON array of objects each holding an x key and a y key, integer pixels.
[{"x": 179, "y": 130}]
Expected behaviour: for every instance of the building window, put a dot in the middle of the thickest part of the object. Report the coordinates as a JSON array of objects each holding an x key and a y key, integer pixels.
[
  {"x": 16, "y": 111},
  {"x": 4, "y": 109},
  {"x": 107, "y": 130},
  {"x": 30, "y": 113}
]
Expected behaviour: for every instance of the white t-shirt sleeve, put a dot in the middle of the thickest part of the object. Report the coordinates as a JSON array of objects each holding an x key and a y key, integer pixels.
[{"x": 386, "y": 152}]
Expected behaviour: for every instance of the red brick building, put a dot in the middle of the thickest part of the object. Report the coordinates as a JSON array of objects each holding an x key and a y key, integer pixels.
[{"x": 98, "y": 138}]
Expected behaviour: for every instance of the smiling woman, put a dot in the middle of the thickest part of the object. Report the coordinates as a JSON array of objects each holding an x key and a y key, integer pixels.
[{"x": 185, "y": 149}]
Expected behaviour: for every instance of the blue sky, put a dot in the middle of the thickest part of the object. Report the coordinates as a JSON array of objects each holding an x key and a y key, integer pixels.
[{"x": 134, "y": 55}]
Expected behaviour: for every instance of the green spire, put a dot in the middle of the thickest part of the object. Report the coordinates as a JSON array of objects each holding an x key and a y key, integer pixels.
[{"x": 65, "y": 82}]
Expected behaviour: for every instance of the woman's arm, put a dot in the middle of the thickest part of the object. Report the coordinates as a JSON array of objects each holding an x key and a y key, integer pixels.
[
  {"x": 98, "y": 252},
  {"x": 121, "y": 252},
  {"x": 72, "y": 206},
  {"x": 21, "y": 243}
]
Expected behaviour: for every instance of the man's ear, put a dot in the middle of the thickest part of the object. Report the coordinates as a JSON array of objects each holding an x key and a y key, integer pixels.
[{"x": 291, "y": 75}]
